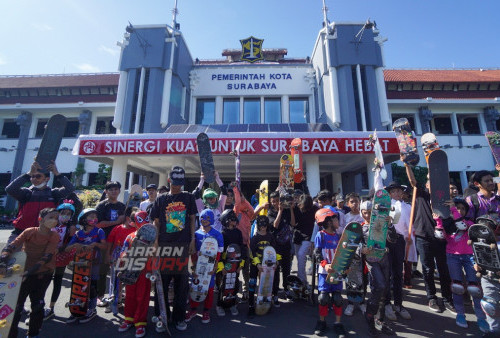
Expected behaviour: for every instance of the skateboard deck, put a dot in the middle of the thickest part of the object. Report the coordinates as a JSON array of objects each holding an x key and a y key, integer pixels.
[
  {"x": 80, "y": 285},
  {"x": 206, "y": 159},
  {"x": 145, "y": 237},
  {"x": 354, "y": 280},
  {"x": 296, "y": 149},
  {"x": 429, "y": 144},
  {"x": 51, "y": 141},
  {"x": 229, "y": 286},
  {"x": 11, "y": 272},
  {"x": 134, "y": 196},
  {"x": 204, "y": 265},
  {"x": 263, "y": 196},
  {"x": 406, "y": 141},
  {"x": 379, "y": 158},
  {"x": 494, "y": 142},
  {"x": 236, "y": 154},
  {"x": 347, "y": 246},
  {"x": 286, "y": 173},
  {"x": 266, "y": 278},
  {"x": 377, "y": 234},
  {"x": 298, "y": 288},
  {"x": 484, "y": 246},
  {"x": 161, "y": 320},
  {"x": 439, "y": 180}
]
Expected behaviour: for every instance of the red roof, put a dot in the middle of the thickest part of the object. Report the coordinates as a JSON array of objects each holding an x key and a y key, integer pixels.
[
  {"x": 59, "y": 80},
  {"x": 445, "y": 75},
  {"x": 437, "y": 95}
]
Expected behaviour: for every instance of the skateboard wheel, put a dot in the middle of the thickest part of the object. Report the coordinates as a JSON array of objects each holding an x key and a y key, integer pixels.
[
  {"x": 493, "y": 246},
  {"x": 478, "y": 275},
  {"x": 155, "y": 319},
  {"x": 152, "y": 278},
  {"x": 469, "y": 242},
  {"x": 159, "y": 324},
  {"x": 344, "y": 245}
]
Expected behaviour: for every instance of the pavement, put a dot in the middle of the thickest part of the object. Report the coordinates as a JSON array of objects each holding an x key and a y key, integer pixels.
[{"x": 292, "y": 319}]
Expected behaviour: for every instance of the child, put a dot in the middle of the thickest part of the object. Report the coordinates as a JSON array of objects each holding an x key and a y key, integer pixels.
[
  {"x": 354, "y": 215},
  {"x": 40, "y": 245},
  {"x": 231, "y": 235},
  {"x": 65, "y": 232},
  {"x": 257, "y": 245},
  {"x": 325, "y": 244},
  {"x": 88, "y": 238},
  {"x": 207, "y": 219},
  {"x": 210, "y": 200},
  {"x": 460, "y": 258},
  {"x": 136, "y": 295}
]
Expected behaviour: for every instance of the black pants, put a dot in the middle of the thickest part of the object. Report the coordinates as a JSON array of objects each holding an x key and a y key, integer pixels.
[
  {"x": 102, "y": 282},
  {"x": 34, "y": 286},
  {"x": 57, "y": 278},
  {"x": 181, "y": 291},
  {"x": 429, "y": 251},
  {"x": 396, "y": 261},
  {"x": 379, "y": 274},
  {"x": 284, "y": 265}
]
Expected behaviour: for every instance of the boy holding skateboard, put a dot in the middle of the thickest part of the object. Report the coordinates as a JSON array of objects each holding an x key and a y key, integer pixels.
[
  {"x": 325, "y": 244},
  {"x": 40, "y": 245}
]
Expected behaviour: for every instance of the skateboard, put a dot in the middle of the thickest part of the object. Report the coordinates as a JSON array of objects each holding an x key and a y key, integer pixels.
[
  {"x": 406, "y": 141},
  {"x": 266, "y": 278},
  {"x": 134, "y": 196},
  {"x": 347, "y": 246},
  {"x": 295, "y": 284},
  {"x": 161, "y": 320},
  {"x": 354, "y": 280},
  {"x": 286, "y": 173},
  {"x": 80, "y": 285},
  {"x": 377, "y": 234},
  {"x": 236, "y": 154},
  {"x": 296, "y": 149},
  {"x": 229, "y": 287},
  {"x": 114, "y": 284},
  {"x": 11, "y": 271},
  {"x": 206, "y": 159},
  {"x": 263, "y": 196},
  {"x": 51, "y": 141},
  {"x": 494, "y": 142},
  {"x": 145, "y": 236},
  {"x": 484, "y": 245},
  {"x": 204, "y": 265},
  {"x": 429, "y": 144},
  {"x": 379, "y": 158},
  {"x": 439, "y": 180}
]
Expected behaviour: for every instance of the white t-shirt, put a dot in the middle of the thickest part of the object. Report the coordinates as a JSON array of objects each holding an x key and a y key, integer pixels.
[
  {"x": 145, "y": 204},
  {"x": 404, "y": 220},
  {"x": 350, "y": 217}
]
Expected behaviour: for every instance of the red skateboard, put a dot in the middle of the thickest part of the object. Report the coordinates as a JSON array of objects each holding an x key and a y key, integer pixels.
[{"x": 296, "y": 148}]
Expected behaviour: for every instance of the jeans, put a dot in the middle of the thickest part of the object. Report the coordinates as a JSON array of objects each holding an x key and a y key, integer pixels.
[
  {"x": 301, "y": 251},
  {"x": 284, "y": 265},
  {"x": 466, "y": 262},
  {"x": 396, "y": 259},
  {"x": 379, "y": 274},
  {"x": 491, "y": 288},
  {"x": 429, "y": 251}
]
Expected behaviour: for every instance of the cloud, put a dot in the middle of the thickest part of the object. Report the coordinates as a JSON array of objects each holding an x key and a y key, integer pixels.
[
  {"x": 110, "y": 51},
  {"x": 87, "y": 68},
  {"x": 42, "y": 27}
]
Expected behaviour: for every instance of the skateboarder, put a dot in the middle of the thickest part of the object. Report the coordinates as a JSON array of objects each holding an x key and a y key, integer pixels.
[
  {"x": 36, "y": 197},
  {"x": 40, "y": 245},
  {"x": 325, "y": 244},
  {"x": 207, "y": 220},
  {"x": 209, "y": 199}
]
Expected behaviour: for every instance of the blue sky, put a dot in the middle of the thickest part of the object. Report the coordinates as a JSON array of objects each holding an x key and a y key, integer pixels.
[{"x": 74, "y": 36}]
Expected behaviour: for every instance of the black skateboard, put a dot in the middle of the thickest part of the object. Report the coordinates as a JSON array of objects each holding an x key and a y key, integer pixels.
[
  {"x": 440, "y": 182},
  {"x": 484, "y": 245},
  {"x": 206, "y": 159},
  {"x": 51, "y": 141}
]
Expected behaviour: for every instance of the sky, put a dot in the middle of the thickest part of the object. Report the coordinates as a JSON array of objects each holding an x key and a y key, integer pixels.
[{"x": 79, "y": 36}]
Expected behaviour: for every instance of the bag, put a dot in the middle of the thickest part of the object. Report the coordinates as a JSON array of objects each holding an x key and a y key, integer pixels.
[{"x": 284, "y": 235}]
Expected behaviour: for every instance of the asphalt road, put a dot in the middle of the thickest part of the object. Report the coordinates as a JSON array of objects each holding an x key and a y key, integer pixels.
[{"x": 291, "y": 319}]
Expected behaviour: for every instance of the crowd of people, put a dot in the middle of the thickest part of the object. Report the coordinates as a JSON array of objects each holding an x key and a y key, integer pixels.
[{"x": 51, "y": 226}]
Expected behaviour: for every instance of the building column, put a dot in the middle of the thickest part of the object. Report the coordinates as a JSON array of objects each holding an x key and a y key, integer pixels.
[
  {"x": 84, "y": 119},
  {"x": 426, "y": 116},
  {"x": 119, "y": 172},
  {"x": 285, "y": 109},
  {"x": 219, "y": 109},
  {"x": 312, "y": 173},
  {"x": 337, "y": 182},
  {"x": 369, "y": 172},
  {"x": 163, "y": 179},
  {"x": 463, "y": 180}
]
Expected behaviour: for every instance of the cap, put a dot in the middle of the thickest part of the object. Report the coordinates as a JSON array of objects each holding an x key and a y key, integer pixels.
[
  {"x": 177, "y": 175},
  {"x": 366, "y": 205},
  {"x": 339, "y": 198},
  {"x": 112, "y": 184},
  {"x": 393, "y": 185},
  {"x": 323, "y": 213},
  {"x": 141, "y": 218},
  {"x": 152, "y": 186}
]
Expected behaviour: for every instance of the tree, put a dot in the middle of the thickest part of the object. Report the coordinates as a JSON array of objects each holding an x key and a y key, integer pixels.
[
  {"x": 78, "y": 174},
  {"x": 103, "y": 174},
  {"x": 399, "y": 174}
]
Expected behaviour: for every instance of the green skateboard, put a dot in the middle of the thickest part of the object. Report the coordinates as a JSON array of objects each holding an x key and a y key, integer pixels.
[
  {"x": 377, "y": 234},
  {"x": 348, "y": 243}
]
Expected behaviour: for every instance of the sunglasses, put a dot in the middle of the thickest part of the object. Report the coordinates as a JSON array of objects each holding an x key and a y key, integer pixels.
[{"x": 37, "y": 176}]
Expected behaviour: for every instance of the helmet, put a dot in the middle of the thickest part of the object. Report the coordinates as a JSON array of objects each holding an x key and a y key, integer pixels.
[
  {"x": 66, "y": 205},
  {"x": 227, "y": 216},
  {"x": 210, "y": 193},
  {"x": 487, "y": 220},
  {"x": 323, "y": 213},
  {"x": 86, "y": 212},
  {"x": 460, "y": 200},
  {"x": 141, "y": 218},
  {"x": 207, "y": 215}
]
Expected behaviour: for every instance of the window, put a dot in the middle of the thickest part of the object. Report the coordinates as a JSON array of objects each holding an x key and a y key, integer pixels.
[
  {"x": 40, "y": 128},
  {"x": 10, "y": 129},
  {"x": 105, "y": 126},
  {"x": 468, "y": 125},
  {"x": 231, "y": 113},
  {"x": 441, "y": 125},
  {"x": 299, "y": 110},
  {"x": 272, "y": 110},
  {"x": 72, "y": 128},
  {"x": 205, "y": 111},
  {"x": 410, "y": 118},
  {"x": 251, "y": 111}
]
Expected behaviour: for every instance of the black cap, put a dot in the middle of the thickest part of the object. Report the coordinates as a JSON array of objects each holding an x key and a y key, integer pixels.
[
  {"x": 112, "y": 184},
  {"x": 177, "y": 175},
  {"x": 152, "y": 186},
  {"x": 393, "y": 185}
]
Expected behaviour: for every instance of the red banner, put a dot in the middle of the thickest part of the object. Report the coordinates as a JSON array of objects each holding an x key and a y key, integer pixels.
[{"x": 159, "y": 146}]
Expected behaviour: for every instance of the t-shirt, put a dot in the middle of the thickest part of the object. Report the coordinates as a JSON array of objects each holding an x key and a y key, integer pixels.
[
  {"x": 328, "y": 244},
  {"x": 350, "y": 217},
  {"x": 60, "y": 230},
  {"x": 117, "y": 238},
  {"x": 285, "y": 220},
  {"x": 145, "y": 204},
  {"x": 304, "y": 224},
  {"x": 107, "y": 211},
  {"x": 486, "y": 206},
  {"x": 37, "y": 245},
  {"x": 173, "y": 213},
  {"x": 424, "y": 223},
  {"x": 258, "y": 243}
]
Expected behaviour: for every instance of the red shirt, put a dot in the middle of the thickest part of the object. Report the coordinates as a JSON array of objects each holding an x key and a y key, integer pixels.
[{"x": 117, "y": 238}]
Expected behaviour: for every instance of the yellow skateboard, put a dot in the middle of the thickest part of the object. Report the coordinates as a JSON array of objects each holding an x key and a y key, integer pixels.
[{"x": 11, "y": 278}]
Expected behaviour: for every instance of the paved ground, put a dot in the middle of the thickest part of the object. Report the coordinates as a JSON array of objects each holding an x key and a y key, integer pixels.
[{"x": 291, "y": 319}]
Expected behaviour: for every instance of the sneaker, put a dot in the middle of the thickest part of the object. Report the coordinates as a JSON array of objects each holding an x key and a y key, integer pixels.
[
  {"x": 384, "y": 328},
  {"x": 434, "y": 306},
  {"x": 205, "y": 319},
  {"x": 102, "y": 302},
  {"x": 362, "y": 307},
  {"x": 483, "y": 325},
  {"x": 181, "y": 326},
  {"x": 234, "y": 310},
  {"x": 251, "y": 311},
  {"x": 220, "y": 311},
  {"x": 71, "y": 319},
  {"x": 449, "y": 306},
  {"x": 140, "y": 331},
  {"x": 389, "y": 312},
  {"x": 125, "y": 326},
  {"x": 461, "y": 321},
  {"x": 90, "y": 315},
  {"x": 276, "y": 301},
  {"x": 162, "y": 329},
  {"x": 339, "y": 330},
  {"x": 320, "y": 328},
  {"x": 48, "y": 313},
  {"x": 190, "y": 315},
  {"x": 401, "y": 310},
  {"x": 349, "y": 309}
]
